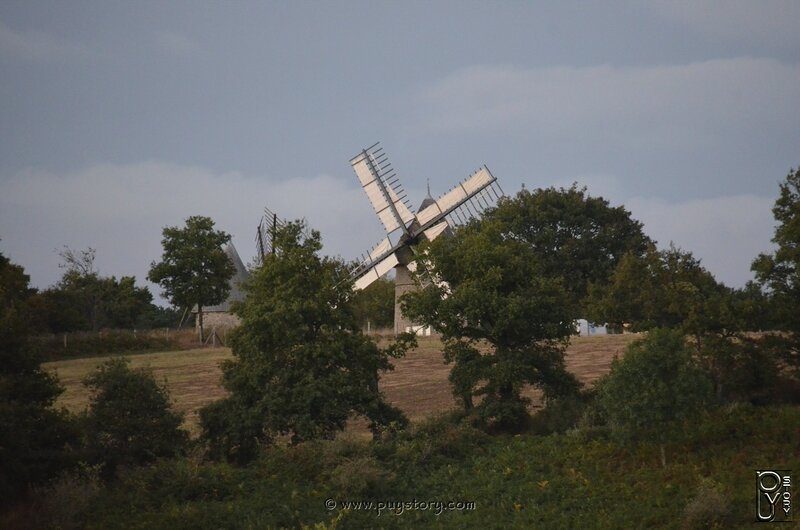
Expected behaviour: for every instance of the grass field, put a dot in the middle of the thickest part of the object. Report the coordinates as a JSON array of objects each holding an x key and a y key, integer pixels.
[{"x": 418, "y": 385}]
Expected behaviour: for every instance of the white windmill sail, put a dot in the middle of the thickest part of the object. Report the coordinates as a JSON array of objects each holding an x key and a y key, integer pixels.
[
  {"x": 456, "y": 197},
  {"x": 467, "y": 200},
  {"x": 382, "y": 188}
]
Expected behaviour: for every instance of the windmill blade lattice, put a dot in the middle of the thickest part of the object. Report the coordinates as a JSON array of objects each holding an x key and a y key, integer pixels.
[{"x": 467, "y": 200}]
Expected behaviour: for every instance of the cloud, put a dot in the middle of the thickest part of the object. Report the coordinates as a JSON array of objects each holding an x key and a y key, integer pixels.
[
  {"x": 688, "y": 104},
  {"x": 37, "y": 45},
  {"x": 175, "y": 43},
  {"x": 121, "y": 209},
  {"x": 772, "y": 22}
]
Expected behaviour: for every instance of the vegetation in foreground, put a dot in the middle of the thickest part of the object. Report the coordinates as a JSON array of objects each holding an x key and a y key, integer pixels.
[{"x": 574, "y": 479}]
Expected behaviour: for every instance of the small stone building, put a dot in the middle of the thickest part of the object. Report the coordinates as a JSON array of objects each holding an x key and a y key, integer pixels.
[{"x": 218, "y": 317}]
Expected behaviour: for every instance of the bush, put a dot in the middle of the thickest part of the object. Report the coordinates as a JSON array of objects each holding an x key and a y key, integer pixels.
[
  {"x": 64, "y": 502},
  {"x": 34, "y": 436},
  {"x": 560, "y": 415},
  {"x": 709, "y": 508},
  {"x": 742, "y": 368},
  {"x": 360, "y": 476},
  {"x": 129, "y": 421},
  {"x": 654, "y": 389},
  {"x": 87, "y": 344}
]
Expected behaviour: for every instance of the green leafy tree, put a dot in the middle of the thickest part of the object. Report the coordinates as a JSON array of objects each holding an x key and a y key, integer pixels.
[
  {"x": 577, "y": 237},
  {"x": 34, "y": 436},
  {"x": 129, "y": 421},
  {"x": 375, "y": 304},
  {"x": 654, "y": 390},
  {"x": 504, "y": 321},
  {"x": 779, "y": 272},
  {"x": 194, "y": 269},
  {"x": 85, "y": 300},
  {"x": 301, "y": 365},
  {"x": 667, "y": 288}
]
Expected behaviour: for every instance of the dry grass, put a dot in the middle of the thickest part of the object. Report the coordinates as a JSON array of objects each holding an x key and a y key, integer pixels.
[{"x": 418, "y": 385}]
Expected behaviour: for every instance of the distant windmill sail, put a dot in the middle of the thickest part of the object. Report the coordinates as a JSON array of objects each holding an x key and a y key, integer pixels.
[
  {"x": 405, "y": 229},
  {"x": 265, "y": 233}
]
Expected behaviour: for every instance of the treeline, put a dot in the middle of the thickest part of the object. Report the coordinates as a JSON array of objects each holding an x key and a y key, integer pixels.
[
  {"x": 502, "y": 292},
  {"x": 84, "y": 300}
]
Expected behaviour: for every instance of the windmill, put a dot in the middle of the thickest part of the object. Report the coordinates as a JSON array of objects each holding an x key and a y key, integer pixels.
[
  {"x": 404, "y": 229},
  {"x": 265, "y": 234}
]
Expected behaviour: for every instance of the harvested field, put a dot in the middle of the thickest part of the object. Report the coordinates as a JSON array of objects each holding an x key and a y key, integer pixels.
[{"x": 418, "y": 385}]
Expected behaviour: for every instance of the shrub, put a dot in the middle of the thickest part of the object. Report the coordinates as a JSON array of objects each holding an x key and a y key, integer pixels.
[
  {"x": 90, "y": 343},
  {"x": 560, "y": 415},
  {"x": 64, "y": 502},
  {"x": 129, "y": 421},
  {"x": 742, "y": 368},
  {"x": 653, "y": 390},
  {"x": 34, "y": 436},
  {"x": 709, "y": 508},
  {"x": 360, "y": 476}
]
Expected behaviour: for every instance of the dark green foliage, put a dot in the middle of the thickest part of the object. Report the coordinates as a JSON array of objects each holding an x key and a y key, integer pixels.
[
  {"x": 556, "y": 481},
  {"x": 301, "y": 365},
  {"x": 670, "y": 289},
  {"x": 577, "y": 237},
  {"x": 666, "y": 288},
  {"x": 654, "y": 389},
  {"x": 105, "y": 342},
  {"x": 779, "y": 272},
  {"x": 129, "y": 421},
  {"x": 743, "y": 368},
  {"x": 33, "y": 435},
  {"x": 375, "y": 304},
  {"x": 194, "y": 269},
  {"x": 561, "y": 415},
  {"x": 83, "y": 300},
  {"x": 504, "y": 321}
]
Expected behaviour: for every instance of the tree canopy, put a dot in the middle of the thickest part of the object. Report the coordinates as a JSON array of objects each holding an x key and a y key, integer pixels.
[
  {"x": 129, "y": 420},
  {"x": 84, "y": 300},
  {"x": 375, "y": 304},
  {"x": 576, "y": 237},
  {"x": 504, "y": 320},
  {"x": 667, "y": 288},
  {"x": 34, "y": 435},
  {"x": 301, "y": 365},
  {"x": 653, "y": 389},
  {"x": 194, "y": 269}
]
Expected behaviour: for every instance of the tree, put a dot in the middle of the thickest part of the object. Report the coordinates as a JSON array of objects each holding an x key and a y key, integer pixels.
[
  {"x": 653, "y": 390},
  {"x": 129, "y": 421},
  {"x": 194, "y": 269},
  {"x": 577, "y": 237},
  {"x": 84, "y": 300},
  {"x": 301, "y": 365},
  {"x": 504, "y": 321},
  {"x": 375, "y": 304},
  {"x": 779, "y": 272},
  {"x": 667, "y": 288},
  {"x": 34, "y": 438}
]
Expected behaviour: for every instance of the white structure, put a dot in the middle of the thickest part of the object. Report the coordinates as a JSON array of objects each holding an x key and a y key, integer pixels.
[
  {"x": 405, "y": 229},
  {"x": 586, "y": 328}
]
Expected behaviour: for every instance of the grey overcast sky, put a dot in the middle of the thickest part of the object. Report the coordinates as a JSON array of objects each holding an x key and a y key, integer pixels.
[{"x": 118, "y": 118}]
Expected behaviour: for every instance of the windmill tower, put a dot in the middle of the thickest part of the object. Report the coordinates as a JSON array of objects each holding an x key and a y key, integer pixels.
[{"x": 404, "y": 229}]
